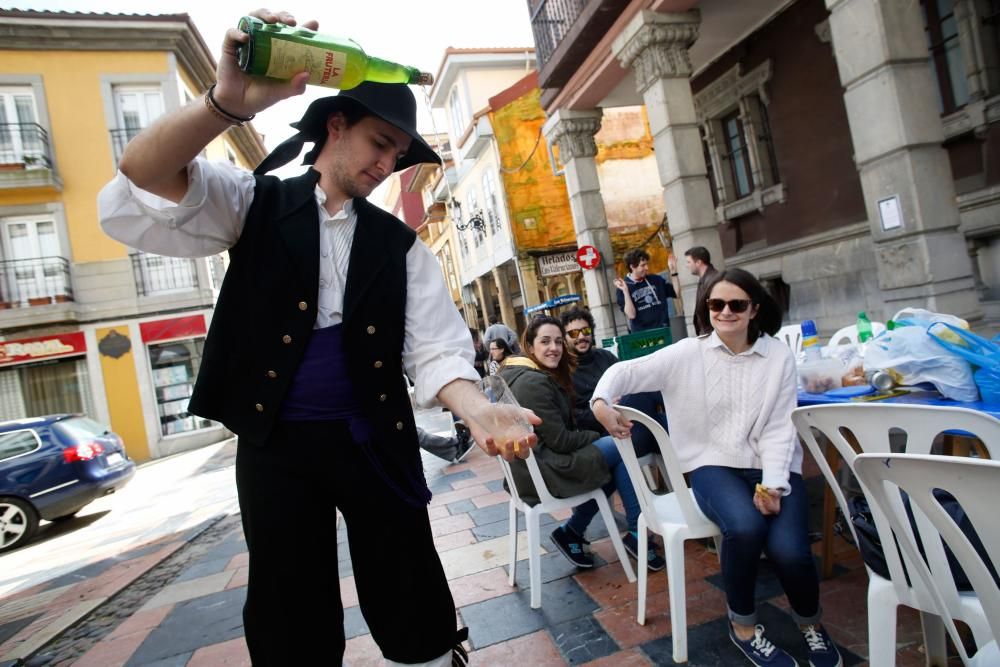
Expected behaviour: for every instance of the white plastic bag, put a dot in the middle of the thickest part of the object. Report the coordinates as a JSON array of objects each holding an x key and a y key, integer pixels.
[
  {"x": 924, "y": 318},
  {"x": 912, "y": 354}
]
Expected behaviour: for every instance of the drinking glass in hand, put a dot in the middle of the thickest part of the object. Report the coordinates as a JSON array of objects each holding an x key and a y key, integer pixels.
[{"x": 497, "y": 414}]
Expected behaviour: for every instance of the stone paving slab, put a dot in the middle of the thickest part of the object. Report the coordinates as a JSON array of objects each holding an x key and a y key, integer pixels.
[{"x": 179, "y": 604}]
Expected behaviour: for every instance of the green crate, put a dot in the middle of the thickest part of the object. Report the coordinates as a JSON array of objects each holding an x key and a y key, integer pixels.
[{"x": 639, "y": 344}]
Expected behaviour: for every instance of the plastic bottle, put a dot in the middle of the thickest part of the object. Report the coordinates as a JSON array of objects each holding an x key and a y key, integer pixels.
[
  {"x": 810, "y": 340},
  {"x": 864, "y": 328},
  {"x": 280, "y": 51}
]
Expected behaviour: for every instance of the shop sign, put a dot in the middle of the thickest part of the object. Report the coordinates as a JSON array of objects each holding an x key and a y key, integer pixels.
[
  {"x": 557, "y": 264},
  {"x": 42, "y": 347},
  {"x": 188, "y": 326}
]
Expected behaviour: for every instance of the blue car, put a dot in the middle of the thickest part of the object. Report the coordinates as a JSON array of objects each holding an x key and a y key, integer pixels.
[{"x": 50, "y": 467}]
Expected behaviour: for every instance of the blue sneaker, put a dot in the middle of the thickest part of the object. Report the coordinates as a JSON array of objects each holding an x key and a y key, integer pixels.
[
  {"x": 575, "y": 548},
  {"x": 654, "y": 561},
  {"x": 760, "y": 650},
  {"x": 822, "y": 651}
]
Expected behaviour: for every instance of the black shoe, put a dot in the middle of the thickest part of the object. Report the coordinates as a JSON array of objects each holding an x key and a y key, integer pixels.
[
  {"x": 654, "y": 561},
  {"x": 575, "y": 548},
  {"x": 465, "y": 443}
]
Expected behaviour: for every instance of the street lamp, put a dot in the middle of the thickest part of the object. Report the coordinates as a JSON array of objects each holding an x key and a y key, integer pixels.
[{"x": 475, "y": 221}]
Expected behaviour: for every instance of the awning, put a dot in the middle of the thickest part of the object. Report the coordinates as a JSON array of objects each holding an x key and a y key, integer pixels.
[{"x": 553, "y": 303}]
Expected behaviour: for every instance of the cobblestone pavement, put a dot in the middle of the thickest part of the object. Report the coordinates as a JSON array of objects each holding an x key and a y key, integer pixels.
[{"x": 176, "y": 601}]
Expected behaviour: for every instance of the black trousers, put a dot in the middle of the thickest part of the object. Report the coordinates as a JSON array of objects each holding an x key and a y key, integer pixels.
[{"x": 289, "y": 490}]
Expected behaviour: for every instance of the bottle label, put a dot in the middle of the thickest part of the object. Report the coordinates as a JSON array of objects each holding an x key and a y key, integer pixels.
[{"x": 325, "y": 66}]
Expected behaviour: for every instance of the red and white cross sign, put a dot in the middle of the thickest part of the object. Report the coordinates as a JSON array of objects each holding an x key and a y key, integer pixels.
[{"x": 588, "y": 257}]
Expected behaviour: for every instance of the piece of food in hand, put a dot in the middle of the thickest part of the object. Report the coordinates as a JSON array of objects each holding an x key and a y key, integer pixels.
[{"x": 762, "y": 491}]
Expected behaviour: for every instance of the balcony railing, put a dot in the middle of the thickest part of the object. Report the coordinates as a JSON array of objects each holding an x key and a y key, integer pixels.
[
  {"x": 34, "y": 282},
  {"x": 24, "y": 146},
  {"x": 156, "y": 274},
  {"x": 550, "y": 22},
  {"x": 120, "y": 138}
]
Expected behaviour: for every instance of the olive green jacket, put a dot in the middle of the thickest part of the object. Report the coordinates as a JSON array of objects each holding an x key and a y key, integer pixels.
[{"x": 570, "y": 464}]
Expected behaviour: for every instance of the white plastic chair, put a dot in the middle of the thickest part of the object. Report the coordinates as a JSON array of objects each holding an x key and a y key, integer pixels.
[
  {"x": 549, "y": 503},
  {"x": 973, "y": 483},
  {"x": 871, "y": 425},
  {"x": 675, "y": 516},
  {"x": 849, "y": 335},
  {"x": 791, "y": 335}
]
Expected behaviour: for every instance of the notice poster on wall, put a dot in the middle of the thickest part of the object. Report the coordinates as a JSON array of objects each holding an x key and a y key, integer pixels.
[{"x": 890, "y": 213}]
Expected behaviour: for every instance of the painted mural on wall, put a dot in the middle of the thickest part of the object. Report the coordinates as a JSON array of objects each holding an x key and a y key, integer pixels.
[{"x": 537, "y": 197}]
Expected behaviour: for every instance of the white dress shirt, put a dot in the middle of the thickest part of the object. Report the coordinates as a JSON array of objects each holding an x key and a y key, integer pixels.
[{"x": 437, "y": 346}]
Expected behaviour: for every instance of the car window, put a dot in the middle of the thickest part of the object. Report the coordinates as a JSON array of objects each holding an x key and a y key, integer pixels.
[
  {"x": 17, "y": 443},
  {"x": 80, "y": 428}
]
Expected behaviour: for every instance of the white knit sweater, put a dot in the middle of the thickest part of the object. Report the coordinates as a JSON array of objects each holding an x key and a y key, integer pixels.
[{"x": 723, "y": 409}]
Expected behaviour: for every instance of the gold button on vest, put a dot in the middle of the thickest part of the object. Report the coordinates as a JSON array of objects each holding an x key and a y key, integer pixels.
[
  {"x": 382, "y": 397},
  {"x": 272, "y": 374},
  {"x": 370, "y": 329},
  {"x": 286, "y": 339},
  {"x": 303, "y": 305},
  {"x": 399, "y": 426},
  {"x": 260, "y": 408},
  {"x": 378, "y": 364}
]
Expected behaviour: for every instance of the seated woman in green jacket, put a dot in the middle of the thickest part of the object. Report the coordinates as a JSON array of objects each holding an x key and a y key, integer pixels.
[{"x": 572, "y": 461}]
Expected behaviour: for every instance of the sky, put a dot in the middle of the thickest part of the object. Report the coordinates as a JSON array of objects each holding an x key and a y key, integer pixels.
[{"x": 411, "y": 32}]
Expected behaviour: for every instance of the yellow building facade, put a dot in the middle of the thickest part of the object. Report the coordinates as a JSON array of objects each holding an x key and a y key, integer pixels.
[{"x": 87, "y": 324}]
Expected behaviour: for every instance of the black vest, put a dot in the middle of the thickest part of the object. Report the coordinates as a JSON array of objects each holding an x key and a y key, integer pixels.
[{"x": 267, "y": 308}]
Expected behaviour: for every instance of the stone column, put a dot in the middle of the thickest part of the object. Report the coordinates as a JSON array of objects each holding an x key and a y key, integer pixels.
[
  {"x": 503, "y": 292},
  {"x": 573, "y": 132},
  {"x": 891, "y": 106},
  {"x": 485, "y": 299},
  {"x": 655, "y": 46}
]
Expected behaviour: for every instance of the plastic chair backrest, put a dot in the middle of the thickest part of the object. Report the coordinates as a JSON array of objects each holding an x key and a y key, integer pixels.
[
  {"x": 973, "y": 483},
  {"x": 541, "y": 490},
  {"x": 849, "y": 335},
  {"x": 871, "y": 426},
  {"x": 675, "y": 475},
  {"x": 791, "y": 335}
]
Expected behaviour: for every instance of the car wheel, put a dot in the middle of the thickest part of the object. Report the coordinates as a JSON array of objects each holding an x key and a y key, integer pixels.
[{"x": 18, "y": 522}]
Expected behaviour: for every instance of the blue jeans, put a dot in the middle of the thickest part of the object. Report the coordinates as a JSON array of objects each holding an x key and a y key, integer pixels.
[
  {"x": 725, "y": 495},
  {"x": 583, "y": 514}
]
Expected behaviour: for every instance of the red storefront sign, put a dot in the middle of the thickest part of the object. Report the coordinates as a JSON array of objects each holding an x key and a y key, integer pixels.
[
  {"x": 40, "y": 348},
  {"x": 177, "y": 327}
]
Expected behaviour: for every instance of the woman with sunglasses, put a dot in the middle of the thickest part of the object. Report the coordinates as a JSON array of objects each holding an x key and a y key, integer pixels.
[
  {"x": 572, "y": 461},
  {"x": 729, "y": 396}
]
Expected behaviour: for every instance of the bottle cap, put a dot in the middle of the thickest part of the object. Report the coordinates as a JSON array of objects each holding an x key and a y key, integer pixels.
[
  {"x": 862, "y": 314},
  {"x": 808, "y": 328},
  {"x": 425, "y": 79}
]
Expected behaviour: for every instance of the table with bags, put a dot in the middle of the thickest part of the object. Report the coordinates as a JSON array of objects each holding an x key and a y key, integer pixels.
[{"x": 954, "y": 368}]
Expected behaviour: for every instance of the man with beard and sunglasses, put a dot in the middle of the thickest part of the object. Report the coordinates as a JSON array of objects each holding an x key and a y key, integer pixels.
[{"x": 591, "y": 363}]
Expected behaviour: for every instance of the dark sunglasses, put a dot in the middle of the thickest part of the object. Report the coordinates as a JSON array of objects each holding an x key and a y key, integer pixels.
[
  {"x": 575, "y": 333},
  {"x": 735, "y": 305}
]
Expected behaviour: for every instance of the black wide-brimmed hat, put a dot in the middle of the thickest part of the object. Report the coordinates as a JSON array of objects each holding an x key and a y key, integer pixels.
[{"x": 392, "y": 102}]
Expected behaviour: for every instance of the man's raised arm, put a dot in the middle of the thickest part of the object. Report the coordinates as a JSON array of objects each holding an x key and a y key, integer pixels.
[{"x": 156, "y": 159}]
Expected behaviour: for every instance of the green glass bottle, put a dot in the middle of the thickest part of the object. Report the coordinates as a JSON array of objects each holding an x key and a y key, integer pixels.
[{"x": 280, "y": 51}]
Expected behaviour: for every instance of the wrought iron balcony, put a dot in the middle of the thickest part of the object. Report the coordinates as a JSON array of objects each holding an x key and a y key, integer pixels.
[
  {"x": 25, "y": 156},
  {"x": 566, "y": 32},
  {"x": 120, "y": 138},
  {"x": 34, "y": 282},
  {"x": 156, "y": 274}
]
